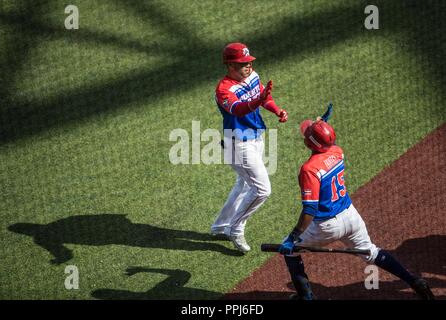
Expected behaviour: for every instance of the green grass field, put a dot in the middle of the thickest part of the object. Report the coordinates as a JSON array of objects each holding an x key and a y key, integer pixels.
[{"x": 85, "y": 117}]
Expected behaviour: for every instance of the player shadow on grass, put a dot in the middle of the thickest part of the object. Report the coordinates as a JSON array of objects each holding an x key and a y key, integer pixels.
[
  {"x": 173, "y": 287},
  {"x": 424, "y": 256},
  {"x": 106, "y": 229}
]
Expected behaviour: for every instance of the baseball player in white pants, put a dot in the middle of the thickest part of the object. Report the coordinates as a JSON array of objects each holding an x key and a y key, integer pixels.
[
  {"x": 328, "y": 214},
  {"x": 251, "y": 188},
  {"x": 239, "y": 95},
  {"x": 347, "y": 226}
]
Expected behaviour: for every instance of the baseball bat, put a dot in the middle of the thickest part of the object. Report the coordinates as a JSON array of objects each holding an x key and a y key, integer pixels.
[
  {"x": 326, "y": 116},
  {"x": 273, "y": 247}
]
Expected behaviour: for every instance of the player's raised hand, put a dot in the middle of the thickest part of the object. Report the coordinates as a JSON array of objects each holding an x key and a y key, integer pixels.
[
  {"x": 267, "y": 91},
  {"x": 283, "y": 115}
]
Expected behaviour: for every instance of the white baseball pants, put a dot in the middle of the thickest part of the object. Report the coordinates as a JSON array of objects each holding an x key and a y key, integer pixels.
[
  {"x": 347, "y": 227},
  {"x": 251, "y": 188}
]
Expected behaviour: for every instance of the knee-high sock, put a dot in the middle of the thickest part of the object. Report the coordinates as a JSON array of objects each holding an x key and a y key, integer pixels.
[
  {"x": 299, "y": 277},
  {"x": 386, "y": 261}
]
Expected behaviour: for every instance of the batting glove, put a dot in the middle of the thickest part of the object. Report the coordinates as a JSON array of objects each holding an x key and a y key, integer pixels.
[
  {"x": 283, "y": 115},
  {"x": 287, "y": 245}
]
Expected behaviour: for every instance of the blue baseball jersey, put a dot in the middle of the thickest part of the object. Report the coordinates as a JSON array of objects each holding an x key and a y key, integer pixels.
[
  {"x": 228, "y": 94},
  {"x": 322, "y": 184}
]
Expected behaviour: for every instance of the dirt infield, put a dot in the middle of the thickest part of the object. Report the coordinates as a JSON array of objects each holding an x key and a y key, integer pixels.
[{"x": 404, "y": 209}]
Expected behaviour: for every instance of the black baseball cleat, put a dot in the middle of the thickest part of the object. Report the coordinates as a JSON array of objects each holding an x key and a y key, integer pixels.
[{"x": 421, "y": 287}]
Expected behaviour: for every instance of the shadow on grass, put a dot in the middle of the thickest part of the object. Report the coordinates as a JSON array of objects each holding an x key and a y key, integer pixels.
[
  {"x": 424, "y": 256},
  {"x": 173, "y": 287},
  {"x": 20, "y": 41},
  {"x": 106, "y": 229},
  {"x": 195, "y": 63},
  {"x": 422, "y": 25}
]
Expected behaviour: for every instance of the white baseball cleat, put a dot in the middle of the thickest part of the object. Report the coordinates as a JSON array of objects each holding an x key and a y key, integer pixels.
[{"x": 240, "y": 243}]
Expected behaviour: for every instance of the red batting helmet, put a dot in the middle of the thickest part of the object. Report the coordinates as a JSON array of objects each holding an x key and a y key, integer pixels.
[
  {"x": 319, "y": 135},
  {"x": 236, "y": 52}
]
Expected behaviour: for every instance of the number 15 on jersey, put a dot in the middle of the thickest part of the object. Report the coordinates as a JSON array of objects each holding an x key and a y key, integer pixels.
[{"x": 338, "y": 186}]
